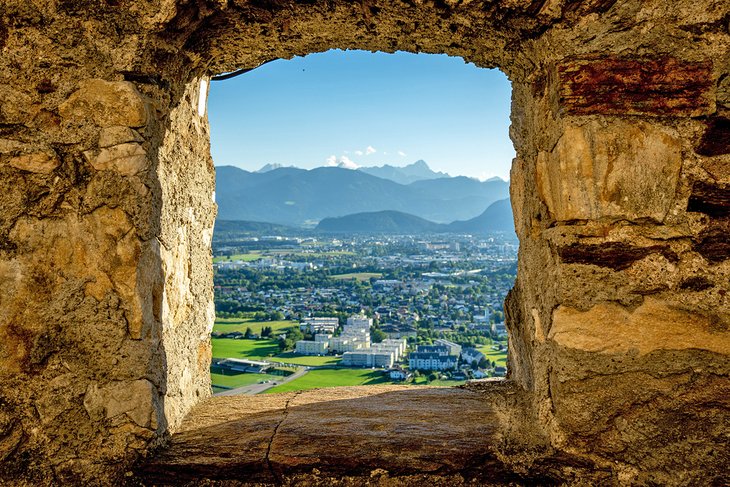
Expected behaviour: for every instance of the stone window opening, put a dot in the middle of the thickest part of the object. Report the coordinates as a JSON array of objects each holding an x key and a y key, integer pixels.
[{"x": 451, "y": 75}]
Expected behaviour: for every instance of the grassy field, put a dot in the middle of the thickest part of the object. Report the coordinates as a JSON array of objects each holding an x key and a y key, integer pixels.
[
  {"x": 240, "y": 380},
  {"x": 250, "y": 349},
  {"x": 251, "y": 256},
  {"x": 421, "y": 381},
  {"x": 497, "y": 356},
  {"x": 360, "y": 276},
  {"x": 229, "y": 325},
  {"x": 332, "y": 378},
  {"x": 293, "y": 358}
]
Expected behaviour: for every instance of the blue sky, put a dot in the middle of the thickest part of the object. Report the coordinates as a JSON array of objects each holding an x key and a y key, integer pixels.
[{"x": 364, "y": 109}]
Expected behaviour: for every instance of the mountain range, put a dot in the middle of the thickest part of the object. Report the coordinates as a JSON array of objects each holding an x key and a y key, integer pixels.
[
  {"x": 418, "y": 171},
  {"x": 496, "y": 218},
  {"x": 293, "y": 196}
]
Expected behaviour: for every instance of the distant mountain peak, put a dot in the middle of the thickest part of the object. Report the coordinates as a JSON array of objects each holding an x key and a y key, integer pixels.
[
  {"x": 416, "y": 171},
  {"x": 269, "y": 167}
]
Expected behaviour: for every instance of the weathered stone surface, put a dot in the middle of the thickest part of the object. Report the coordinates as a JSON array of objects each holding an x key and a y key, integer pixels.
[
  {"x": 655, "y": 325},
  {"x": 39, "y": 162},
  {"x": 617, "y": 170},
  {"x": 714, "y": 243},
  {"x": 126, "y": 159},
  {"x": 716, "y": 139},
  {"x": 629, "y": 86},
  {"x": 615, "y": 255},
  {"x": 106, "y": 103},
  {"x": 134, "y": 399},
  {"x": 111, "y": 136},
  {"x": 399, "y": 431},
  {"x": 711, "y": 199}
]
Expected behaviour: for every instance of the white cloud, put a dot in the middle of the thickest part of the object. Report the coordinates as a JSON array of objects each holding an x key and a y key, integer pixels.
[
  {"x": 332, "y": 160},
  {"x": 370, "y": 150},
  {"x": 357, "y": 152},
  {"x": 401, "y": 153},
  {"x": 385, "y": 153},
  {"x": 347, "y": 163}
]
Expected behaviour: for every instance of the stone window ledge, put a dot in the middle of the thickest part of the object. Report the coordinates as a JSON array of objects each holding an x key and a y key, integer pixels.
[{"x": 412, "y": 435}]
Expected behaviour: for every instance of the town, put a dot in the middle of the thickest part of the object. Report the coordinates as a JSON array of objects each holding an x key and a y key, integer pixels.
[{"x": 296, "y": 312}]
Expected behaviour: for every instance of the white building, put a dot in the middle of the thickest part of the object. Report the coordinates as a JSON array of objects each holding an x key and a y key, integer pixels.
[
  {"x": 430, "y": 361},
  {"x": 319, "y": 325},
  {"x": 368, "y": 358},
  {"x": 343, "y": 343},
  {"x": 470, "y": 355},
  {"x": 396, "y": 347},
  {"x": 308, "y": 347},
  {"x": 359, "y": 321},
  {"x": 454, "y": 349}
]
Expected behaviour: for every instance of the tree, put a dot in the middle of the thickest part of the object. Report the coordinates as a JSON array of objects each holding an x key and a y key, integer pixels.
[
  {"x": 432, "y": 376},
  {"x": 266, "y": 331},
  {"x": 377, "y": 335},
  {"x": 248, "y": 333},
  {"x": 483, "y": 363}
]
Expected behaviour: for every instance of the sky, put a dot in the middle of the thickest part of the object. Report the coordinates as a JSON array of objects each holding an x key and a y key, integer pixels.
[{"x": 359, "y": 108}]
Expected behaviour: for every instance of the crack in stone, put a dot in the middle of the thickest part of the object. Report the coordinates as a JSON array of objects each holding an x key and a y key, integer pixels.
[{"x": 275, "y": 476}]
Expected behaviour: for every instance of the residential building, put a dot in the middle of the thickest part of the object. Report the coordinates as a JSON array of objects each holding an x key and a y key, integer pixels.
[
  {"x": 397, "y": 347},
  {"x": 454, "y": 349},
  {"x": 471, "y": 355},
  {"x": 430, "y": 361},
  {"x": 435, "y": 349},
  {"x": 309, "y": 347},
  {"x": 319, "y": 325},
  {"x": 368, "y": 358},
  {"x": 398, "y": 374}
]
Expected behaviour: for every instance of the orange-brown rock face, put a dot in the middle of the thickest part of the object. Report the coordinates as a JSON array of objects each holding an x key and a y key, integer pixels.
[{"x": 619, "y": 318}]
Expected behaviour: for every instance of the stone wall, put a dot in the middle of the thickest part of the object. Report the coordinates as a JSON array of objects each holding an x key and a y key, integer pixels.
[{"x": 621, "y": 189}]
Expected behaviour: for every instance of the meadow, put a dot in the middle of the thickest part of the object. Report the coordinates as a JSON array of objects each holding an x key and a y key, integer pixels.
[
  {"x": 244, "y": 349},
  {"x": 230, "y": 325},
  {"x": 332, "y": 378},
  {"x": 249, "y": 257}
]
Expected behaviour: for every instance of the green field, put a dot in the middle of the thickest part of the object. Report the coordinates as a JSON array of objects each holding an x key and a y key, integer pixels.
[
  {"x": 240, "y": 380},
  {"x": 294, "y": 358},
  {"x": 422, "y": 381},
  {"x": 251, "y": 256},
  {"x": 250, "y": 349},
  {"x": 498, "y": 356},
  {"x": 332, "y": 378},
  {"x": 229, "y": 325},
  {"x": 360, "y": 276}
]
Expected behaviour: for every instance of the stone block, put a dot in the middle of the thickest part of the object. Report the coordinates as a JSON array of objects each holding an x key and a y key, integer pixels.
[
  {"x": 614, "y": 255},
  {"x": 710, "y": 199},
  {"x": 622, "y": 170},
  {"x": 716, "y": 139},
  {"x": 135, "y": 399},
  {"x": 106, "y": 103},
  {"x": 111, "y": 136},
  {"x": 609, "y": 328},
  {"x": 127, "y": 159},
  {"x": 650, "y": 86},
  {"x": 37, "y": 162}
]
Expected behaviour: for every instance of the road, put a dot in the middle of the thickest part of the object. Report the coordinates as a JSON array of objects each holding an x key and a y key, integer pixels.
[{"x": 252, "y": 389}]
